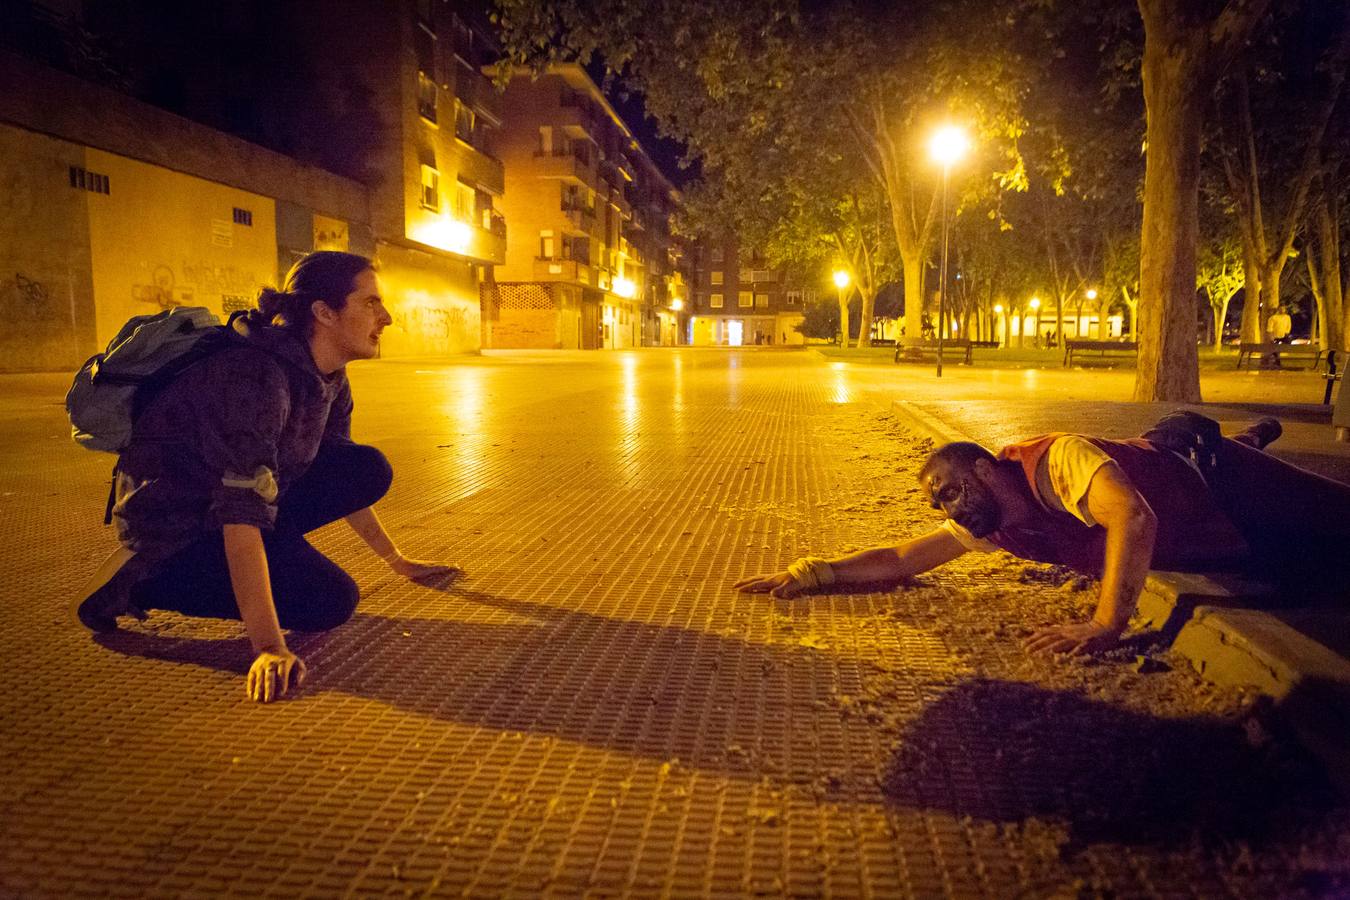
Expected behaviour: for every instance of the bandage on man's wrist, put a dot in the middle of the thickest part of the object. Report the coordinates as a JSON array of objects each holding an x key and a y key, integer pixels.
[{"x": 811, "y": 572}]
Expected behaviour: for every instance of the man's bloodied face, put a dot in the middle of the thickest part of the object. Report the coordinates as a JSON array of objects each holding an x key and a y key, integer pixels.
[{"x": 965, "y": 498}]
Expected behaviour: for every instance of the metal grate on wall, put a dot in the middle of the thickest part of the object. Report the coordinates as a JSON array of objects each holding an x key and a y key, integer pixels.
[{"x": 82, "y": 179}]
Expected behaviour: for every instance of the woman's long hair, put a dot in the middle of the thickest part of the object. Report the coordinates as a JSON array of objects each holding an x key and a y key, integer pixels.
[{"x": 324, "y": 275}]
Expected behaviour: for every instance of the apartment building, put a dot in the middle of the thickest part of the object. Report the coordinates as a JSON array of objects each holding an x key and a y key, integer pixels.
[
  {"x": 738, "y": 300},
  {"x": 372, "y": 132},
  {"x": 591, "y": 263}
]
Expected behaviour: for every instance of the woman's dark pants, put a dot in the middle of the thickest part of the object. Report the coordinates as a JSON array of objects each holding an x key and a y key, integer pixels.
[{"x": 311, "y": 592}]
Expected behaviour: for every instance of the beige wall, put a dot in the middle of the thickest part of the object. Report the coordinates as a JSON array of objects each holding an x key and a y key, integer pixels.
[
  {"x": 164, "y": 239},
  {"x": 46, "y": 297},
  {"x": 434, "y": 303}
]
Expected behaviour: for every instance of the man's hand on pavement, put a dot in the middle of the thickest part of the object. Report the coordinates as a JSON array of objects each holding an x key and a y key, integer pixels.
[
  {"x": 781, "y": 585},
  {"x": 421, "y": 570},
  {"x": 270, "y": 675},
  {"x": 1074, "y": 639}
]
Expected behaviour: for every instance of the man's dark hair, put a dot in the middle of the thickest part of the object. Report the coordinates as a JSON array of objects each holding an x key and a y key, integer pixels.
[
  {"x": 324, "y": 275},
  {"x": 960, "y": 455}
]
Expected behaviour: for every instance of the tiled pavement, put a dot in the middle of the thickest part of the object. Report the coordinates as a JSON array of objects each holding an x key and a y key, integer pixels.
[{"x": 592, "y": 712}]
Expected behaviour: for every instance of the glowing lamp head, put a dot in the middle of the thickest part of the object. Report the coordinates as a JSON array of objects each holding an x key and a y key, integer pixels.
[
  {"x": 1035, "y": 303},
  {"x": 624, "y": 288},
  {"x": 677, "y": 304},
  {"x": 948, "y": 145},
  {"x": 998, "y": 309},
  {"x": 1092, "y": 293},
  {"x": 840, "y": 279}
]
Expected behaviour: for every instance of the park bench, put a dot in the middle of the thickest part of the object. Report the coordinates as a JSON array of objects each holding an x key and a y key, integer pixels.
[
  {"x": 986, "y": 345},
  {"x": 1280, "y": 352},
  {"x": 1101, "y": 349},
  {"x": 911, "y": 349}
]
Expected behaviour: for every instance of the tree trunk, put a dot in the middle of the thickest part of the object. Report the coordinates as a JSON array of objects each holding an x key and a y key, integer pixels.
[
  {"x": 913, "y": 265},
  {"x": 1169, "y": 363},
  {"x": 843, "y": 320},
  {"x": 1250, "y": 332},
  {"x": 865, "y": 316},
  {"x": 1328, "y": 237}
]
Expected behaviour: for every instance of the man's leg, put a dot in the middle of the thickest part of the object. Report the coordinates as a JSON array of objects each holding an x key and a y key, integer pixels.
[
  {"x": 1297, "y": 522},
  {"x": 343, "y": 479},
  {"x": 311, "y": 592}
]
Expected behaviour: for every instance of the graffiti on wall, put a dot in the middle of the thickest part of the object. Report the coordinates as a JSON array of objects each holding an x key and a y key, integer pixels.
[
  {"x": 166, "y": 289},
  {"x": 25, "y": 300},
  {"x": 434, "y": 322}
]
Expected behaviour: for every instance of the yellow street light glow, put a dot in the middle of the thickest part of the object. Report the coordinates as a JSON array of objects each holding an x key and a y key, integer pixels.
[
  {"x": 840, "y": 279},
  {"x": 624, "y": 288},
  {"x": 998, "y": 308},
  {"x": 1092, "y": 293},
  {"x": 1035, "y": 302},
  {"x": 948, "y": 145},
  {"x": 677, "y": 304}
]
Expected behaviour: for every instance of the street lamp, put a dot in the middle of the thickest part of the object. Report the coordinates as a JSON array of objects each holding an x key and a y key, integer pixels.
[
  {"x": 947, "y": 146},
  {"x": 1036, "y": 308},
  {"x": 841, "y": 281},
  {"x": 1092, "y": 295},
  {"x": 998, "y": 311}
]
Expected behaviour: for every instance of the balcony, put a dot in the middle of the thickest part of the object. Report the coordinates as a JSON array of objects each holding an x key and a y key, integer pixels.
[
  {"x": 563, "y": 270},
  {"x": 564, "y": 165},
  {"x": 578, "y": 120},
  {"x": 480, "y": 170},
  {"x": 580, "y": 219},
  {"x": 477, "y": 91}
]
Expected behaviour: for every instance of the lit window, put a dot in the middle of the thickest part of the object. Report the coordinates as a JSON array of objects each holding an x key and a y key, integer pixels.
[
  {"x": 464, "y": 201},
  {"x": 716, "y": 277},
  {"x": 426, "y": 96},
  {"x": 761, "y": 301},
  {"x": 794, "y": 298},
  {"x": 546, "y": 245},
  {"x": 715, "y": 301},
  {"x": 464, "y": 123},
  {"x": 431, "y": 189},
  {"x": 745, "y": 298}
]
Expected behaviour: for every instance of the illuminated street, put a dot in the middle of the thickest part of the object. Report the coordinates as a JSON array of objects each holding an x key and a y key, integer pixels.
[{"x": 593, "y": 710}]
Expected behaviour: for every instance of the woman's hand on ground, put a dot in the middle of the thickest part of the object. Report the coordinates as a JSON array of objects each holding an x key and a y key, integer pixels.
[
  {"x": 271, "y": 675},
  {"x": 421, "y": 570},
  {"x": 781, "y": 585},
  {"x": 1075, "y": 639}
]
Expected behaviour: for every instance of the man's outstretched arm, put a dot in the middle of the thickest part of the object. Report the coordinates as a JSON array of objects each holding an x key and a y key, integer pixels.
[
  {"x": 1131, "y": 529},
  {"x": 878, "y": 564}
]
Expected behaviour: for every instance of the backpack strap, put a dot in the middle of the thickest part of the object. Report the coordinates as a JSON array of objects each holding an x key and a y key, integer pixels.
[{"x": 112, "y": 492}]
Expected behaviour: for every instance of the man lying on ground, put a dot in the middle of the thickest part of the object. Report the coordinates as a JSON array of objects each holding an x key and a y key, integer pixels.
[{"x": 1180, "y": 498}]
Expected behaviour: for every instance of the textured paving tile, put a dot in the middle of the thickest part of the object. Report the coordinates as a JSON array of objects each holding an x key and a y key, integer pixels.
[{"x": 592, "y": 711}]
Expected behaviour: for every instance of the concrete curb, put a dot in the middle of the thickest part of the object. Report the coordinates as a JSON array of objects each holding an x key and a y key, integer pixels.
[{"x": 930, "y": 425}]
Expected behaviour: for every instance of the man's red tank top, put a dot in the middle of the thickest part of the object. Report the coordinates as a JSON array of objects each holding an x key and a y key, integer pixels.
[{"x": 1193, "y": 534}]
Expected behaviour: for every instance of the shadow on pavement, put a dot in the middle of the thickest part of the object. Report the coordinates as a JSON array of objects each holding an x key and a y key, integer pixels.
[
  {"x": 667, "y": 692},
  {"x": 1007, "y": 752}
]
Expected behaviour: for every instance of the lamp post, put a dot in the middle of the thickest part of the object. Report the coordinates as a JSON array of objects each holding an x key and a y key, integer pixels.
[
  {"x": 948, "y": 145},
  {"x": 1092, "y": 295},
  {"x": 841, "y": 281},
  {"x": 1036, "y": 308},
  {"x": 998, "y": 311}
]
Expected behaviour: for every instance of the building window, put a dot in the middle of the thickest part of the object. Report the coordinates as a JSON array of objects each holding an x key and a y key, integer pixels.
[
  {"x": 431, "y": 189},
  {"x": 243, "y": 217},
  {"x": 89, "y": 181},
  {"x": 464, "y": 122},
  {"x": 426, "y": 96},
  {"x": 717, "y": 254},
  {"x": 545, "y": 140},
  {"x": 761, "y": 301},
  {"x": 745, "y": 299},
  {"x": 547, "y": 247},
  {"x": 464, "y": 201},
  {"x": 717, "y": 276},
  {"x": 715, "y": 301},
  {"x": 794, "y": 298}
]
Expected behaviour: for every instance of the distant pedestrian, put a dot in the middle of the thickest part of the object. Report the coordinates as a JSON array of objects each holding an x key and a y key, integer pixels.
[
  {"x": 1279, "y": 325},
  {"x": 237, "y": 459}
]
